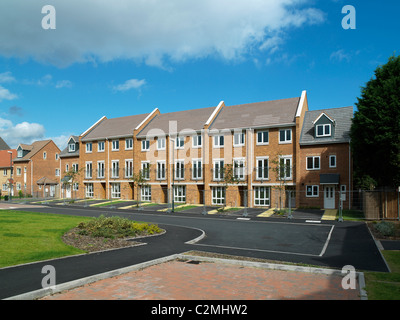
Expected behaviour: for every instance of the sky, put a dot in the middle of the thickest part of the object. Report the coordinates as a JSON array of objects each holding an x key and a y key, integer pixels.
[{"x": 63, "y": 68}]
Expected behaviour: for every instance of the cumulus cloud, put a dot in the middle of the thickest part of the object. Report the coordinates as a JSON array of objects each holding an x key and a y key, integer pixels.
[
  {"x": 130, "y": 84},
  {"x": 23, "y": 132},
  {"x": 5, "y": 94},
  {"x": 6, "y": 77},
  {"x": 152, "y": 31}
]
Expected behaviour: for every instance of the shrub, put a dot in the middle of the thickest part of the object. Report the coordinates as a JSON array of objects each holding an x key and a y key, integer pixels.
[{"x": 385, "y": 228}]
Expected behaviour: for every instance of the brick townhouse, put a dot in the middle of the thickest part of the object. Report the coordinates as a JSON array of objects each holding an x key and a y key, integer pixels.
[
  {"x": 6, "y": 169},
  {"x": 106, "y": 156},
  {"x": 37, "y": 168},
  {"x": 69, "y": 169}
]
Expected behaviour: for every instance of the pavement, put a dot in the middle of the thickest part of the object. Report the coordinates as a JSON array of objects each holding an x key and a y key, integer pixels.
[{"x": 293, "y": 241}]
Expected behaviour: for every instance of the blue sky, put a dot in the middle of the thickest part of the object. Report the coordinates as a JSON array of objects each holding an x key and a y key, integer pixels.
[{"x": 119, "y": 58}]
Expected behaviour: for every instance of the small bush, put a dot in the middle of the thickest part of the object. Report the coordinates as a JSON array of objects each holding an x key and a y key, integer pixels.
[
  {"x": 116, "y": 227},
  {"x": 386, "y": 228}
]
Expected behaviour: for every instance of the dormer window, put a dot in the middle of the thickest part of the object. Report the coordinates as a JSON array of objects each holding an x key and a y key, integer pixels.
[
  {"x": 71, "y": 147},
  {"x": 323, "y": 130},
  {"x": 20, "y": 153}
]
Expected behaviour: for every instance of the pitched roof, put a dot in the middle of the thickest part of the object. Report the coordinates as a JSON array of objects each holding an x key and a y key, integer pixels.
[
  {"x": 46, "y": 181},
  {"x": 343, "y": 119},
  {"x": 252, "y": 115},
  {"x": 65, "y": 153},
  {"x": 4, "y": 145},
  {"x": 115, "y": 128},
  {"x": 5, "y": 157},
  {"x": 34, "y": 148},
  {"x": 187, "y": 121}
]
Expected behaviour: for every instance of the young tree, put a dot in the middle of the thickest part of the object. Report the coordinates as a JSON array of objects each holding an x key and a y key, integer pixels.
[
  {"x": 230, "y": 176},
  {"x": 375, "y": 132},
  {"x": 140, "y": 180}
]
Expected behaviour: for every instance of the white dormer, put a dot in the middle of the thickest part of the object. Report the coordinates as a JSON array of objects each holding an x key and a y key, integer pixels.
[{"x": 324, "y": 126}]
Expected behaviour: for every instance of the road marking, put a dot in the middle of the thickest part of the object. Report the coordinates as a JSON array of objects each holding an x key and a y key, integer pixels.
[
  {"x": 267, "y": 214},
  {"x": 313, "y": 221},
  {"x": 329, "y": 214},
  {"x": 242, "y": 218}
]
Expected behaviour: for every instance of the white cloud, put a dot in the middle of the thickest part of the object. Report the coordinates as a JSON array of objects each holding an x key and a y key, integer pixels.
[
  {"x": 130, "y": 84},
  {"x": 6, "y": 77},
  {"x": 5, "y": 94},
  {"x": 23, "y": 132},
  {"x": 153, "y": 31},
  {"x": 63, "y": 84}
]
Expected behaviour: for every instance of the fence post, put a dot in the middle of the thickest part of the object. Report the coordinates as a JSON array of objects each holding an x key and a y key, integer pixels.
[
  {"x": 204, "y": 212},
  {"x": 290, "y": 216},
  {"x": 340, "y": 207},
  {"x": 245, "y": 203}
]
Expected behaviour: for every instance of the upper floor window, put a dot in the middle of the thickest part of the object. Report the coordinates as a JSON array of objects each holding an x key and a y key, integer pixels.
[
  {"x": 323, "y": 130},
  {"x": 262, "y": 137},
  {"x": 179, "y": 142},
  {"x": 238, "y": 139},
  {"x": 285, "y": 135},
  {"x": 129, "y": 144},
  {"x": 45, "y": 155},
  {"x": 20, "y": 153},
  {"x": 71, "y": 147},
  {"x": 313, "y": 163},
  {"x": 145, "y": 145},
  {"x": 161, "y": 144},
  {"x": 115, "y": 145},
  {"x": 219, "y": 141},
  {"x": 89, "y": 147},
  {"x": 197, "y": 142},
  {"x": 100, "y": 146}
]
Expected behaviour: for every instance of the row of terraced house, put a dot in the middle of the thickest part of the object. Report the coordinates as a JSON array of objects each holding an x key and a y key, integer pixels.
[{"x": 270, "y": 147}]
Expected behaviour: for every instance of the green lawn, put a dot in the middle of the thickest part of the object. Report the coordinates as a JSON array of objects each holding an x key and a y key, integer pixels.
[{"x": 28, "y": 237}]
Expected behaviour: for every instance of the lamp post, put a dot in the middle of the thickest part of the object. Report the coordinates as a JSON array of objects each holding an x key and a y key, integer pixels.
[
  {"x": 173, "y": 173},
  {"x": 11, "y": 170}
]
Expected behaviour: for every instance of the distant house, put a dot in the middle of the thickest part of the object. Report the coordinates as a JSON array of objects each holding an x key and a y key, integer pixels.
[
  {"x": 3, "y": 145},
  {"x": 34, "y": 165},
  {"x": 69, "y": 168},
  {"x": 6, "y": 172},
  {"x": 325, "y": 159}
]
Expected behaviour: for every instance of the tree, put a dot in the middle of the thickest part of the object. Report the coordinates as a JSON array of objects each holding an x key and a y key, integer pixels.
[
  {"x": 229, "y": 176},
  {"x": 375, "y": 131},
  {"x": 283, "y": 171},
  {"x": 140, "y": 180}
]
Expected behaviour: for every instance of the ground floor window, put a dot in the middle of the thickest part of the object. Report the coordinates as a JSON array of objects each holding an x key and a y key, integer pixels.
[
  {"x": 89, "y": 190},
  {"x": 312, "y": 191},
  {"x": 115, "y": 190},
  {"x": 218, "y": 195},
  {"x": 146, "y": 193},
  {"x": 262, "y": 196},
  {"x": 180, "y": 194}
]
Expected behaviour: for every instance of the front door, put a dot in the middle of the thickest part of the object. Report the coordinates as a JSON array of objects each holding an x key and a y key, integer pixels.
[
  {"x": 329, "y": 197},
  {"x": 68, "y": 191}
]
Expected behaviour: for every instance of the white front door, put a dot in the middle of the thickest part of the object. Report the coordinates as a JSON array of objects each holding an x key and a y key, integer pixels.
[
  {"x": 329, "y": 197},
  {"x": 68, "y": 191}
]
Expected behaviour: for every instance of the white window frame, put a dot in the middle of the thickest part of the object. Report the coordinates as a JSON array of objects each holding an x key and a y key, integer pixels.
[
  {"x": 312, "y": 191},
  {"x": 313, "y": 167},
  {"x": 88, "y": 170},
  {"x": 128, "y": 168},
  {"x": 179, "y": 169},
  {"x": 101, "y": 146},
  {"x": 145, "y": 145},
  {"x": 114, "y": 169},
  {"x": 115, "y": 190},
  {"x": 195, "y": 141},
  {"x": 20, "y": 153},
  {"x": 218, "y": 141},
  {"x": 88, "y": 147},
  {"x": 285, "y": 158},
  {"x": 89, "y": 190},
  {"x": 239, "y": 139},
  {"x": 324, "y": 126},
  {"x": 161, "y": 143},
  {"x": 101, "y": 169},
  {"x": 218, "y": 195},
  {"x": 333, "y": 156},
  {"x": 75, "y": 167},
  {"x": 71, "y": 147},
  {"x": 180, "y": 194},
  {"x": 286, "y": 140},
  {"x": 218, "y": 173},
  {"x": 115, "y": 145},
  {"x": 145, "y": 193},
  {"x": 262, "y": 167},
  {"x": 129, "y": 144},
  {"x": 19, "y": 171},
  {"x": 260, "y": 133},
  {"x": 262, "y": 196},
  {"x": 161, "y": 170},
  {"x": 45, "y": 155},
  {"x": 57, "y": 172},
  {"x": 179, "y": 143},
  {"x": 239, "y": 168},
  {"x": 145, "y": 166},
  {"x": 197, "y": 169}
]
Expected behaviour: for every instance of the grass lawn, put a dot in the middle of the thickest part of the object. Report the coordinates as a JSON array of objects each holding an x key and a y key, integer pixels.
[
  {"x": 28, "y": 237},
  {"x": 385, "y": 286}
]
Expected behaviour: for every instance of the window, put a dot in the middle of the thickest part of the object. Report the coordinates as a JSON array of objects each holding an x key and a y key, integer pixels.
[
  {"x": 323, "y": 130},
  {"x": 146, "y": 170},
  {"x": 115, "y": 145},
  {"x": 129, "y": 144},
  {"x": 179, "y": 142},
  {"x": 71, "y": 147},
  {"x": 75, "y": 186},
  {"x": 88, "y": 171},
  {"x": 145, "y": 192},
  {"x": 332, "y": 161},
  {"x": 312, "y": 191},
  {"x": 20, "y": 153},
  {"x": 88, "y": 147},
  {"x": 160, "y": 170},
  {"x": 219, "y": 141},
  {"x": 179, "y": 169},
  {"x": 5, "y": 172},
  {"x": 19, "y": 171},
  {"x": 238, "y": 168},
  {"x": 262, "y": 169},
  {"x": 238, "y": 139},
  {"x": 262, "y": 137},
  {"x": 45, "y": 155},
  {"x": 57, "y": 156},
  {"x": 66, "y": 167},
  {"x": 180, "y": 194},
  {"x": 285, "y": 136},
  {"x": 89, "y": 190},
  {"x": 197, "y": 170},
  {"x": 100, "y": 146},
  {"x": 18, "y": 186},
  {"x": 115, "y": 190},
  {"x": 313, "y": 163},
  {"x": 100, "y": 169},
  {"x": 5, "y": 186},
  {"x": 218, "y": 170},
  {"x": 75, "y": 167},
  {"x": 145, "y": 145},
  {"x": 161, "y": 144},
  {"x": 218, "y": 195},
  {"x": 285, "y": 168},
  {"x": 129, "y": 168},
  {"x": 57, "y": 172},
  {"x": 115, "y": 169},
  {"x": 197, "y": 141},
  {"x": 262, "y": 196}
]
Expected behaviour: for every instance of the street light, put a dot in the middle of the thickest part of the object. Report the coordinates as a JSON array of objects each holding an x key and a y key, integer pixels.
[
  {"x": 11, "y": 170},
  {"x": 173, "y": 172}
]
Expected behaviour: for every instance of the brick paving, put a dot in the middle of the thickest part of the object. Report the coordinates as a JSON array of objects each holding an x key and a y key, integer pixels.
[{"x": 180, "y": 280}]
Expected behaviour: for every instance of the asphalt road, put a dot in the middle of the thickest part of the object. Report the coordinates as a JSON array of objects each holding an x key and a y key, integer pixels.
[{"x": 327, "y": 244}]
